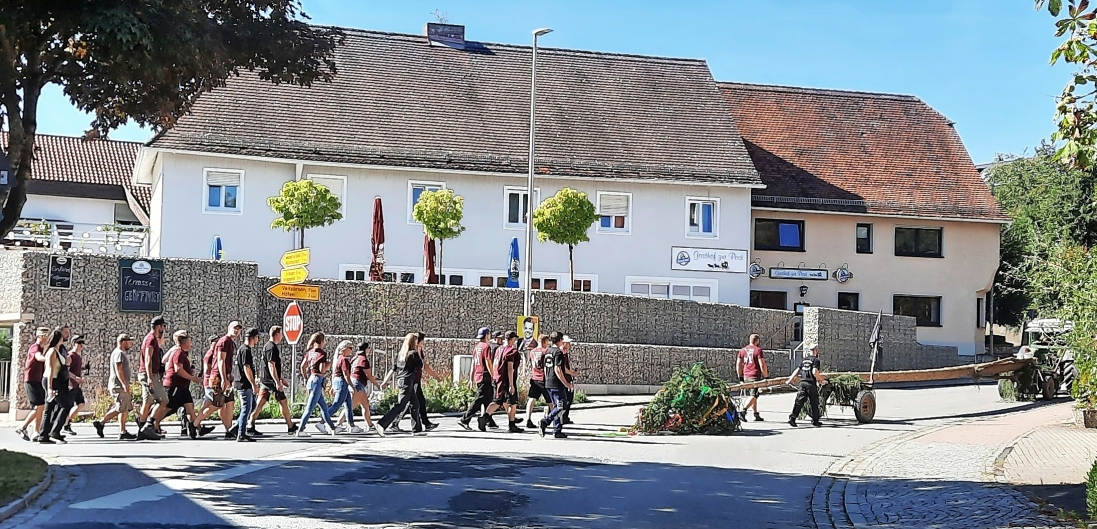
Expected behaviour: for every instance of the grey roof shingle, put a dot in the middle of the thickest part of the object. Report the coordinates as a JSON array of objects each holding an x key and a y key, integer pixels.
[{"x": 398, "y": 101}]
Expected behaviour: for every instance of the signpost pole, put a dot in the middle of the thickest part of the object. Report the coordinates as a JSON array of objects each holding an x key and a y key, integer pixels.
[{"x": 293, "y": 375}]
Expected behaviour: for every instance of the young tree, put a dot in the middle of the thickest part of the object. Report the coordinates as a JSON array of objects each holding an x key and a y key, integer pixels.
[
  {"x": 142, "y": 61},
  {"x": 440, "y": 212},
  {"x": 564, "y": 218},
  {"x": 304, "y": 204}
]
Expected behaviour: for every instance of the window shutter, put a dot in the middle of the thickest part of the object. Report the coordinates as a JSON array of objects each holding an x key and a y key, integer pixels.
[
  {"x": 613, "y": 205},
  {"x": 222, "y": 178}
]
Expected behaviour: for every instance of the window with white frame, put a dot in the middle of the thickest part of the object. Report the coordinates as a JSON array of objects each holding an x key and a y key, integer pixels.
[
  {"x": 516, "y": 206},
  {"x": 613, "y": 208},
  {"x": 701, "y": 217},
  {"x": 222, "y": 188},
  {"x": 672, "y": 288},
  {"x": 415, "y": 190},
  {"x": 338, "y": 187}
]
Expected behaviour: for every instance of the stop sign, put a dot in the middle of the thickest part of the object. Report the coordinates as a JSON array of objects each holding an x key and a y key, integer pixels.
[{"x": 292, "y": 323}]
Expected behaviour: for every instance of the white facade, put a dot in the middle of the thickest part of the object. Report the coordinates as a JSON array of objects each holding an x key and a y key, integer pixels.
[
  {"x": 632, "y": 255},
  {"x": 92, "y": 211}
]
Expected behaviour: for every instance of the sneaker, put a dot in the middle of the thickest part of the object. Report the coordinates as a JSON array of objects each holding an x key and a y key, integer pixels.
[
  {"x": 464, "y": 425},
  {"x": 419, "y": 432},
  {"x": 206, "y": 430},
  {"x": 253, "y": 432},
  {"x": 758, "y": 418},
  {"x": 26, "y": 437},
  {"x": 513, "y": 428},
  {"x": 183, "y": 430},
  {"x": 44, "y": 439},
  {"x": 148, "y": 433},
  {"x": 792, "y": 422},
  {"x": 395, "y": 428},
  {"x": 356, "y": 429},
  {"x": 301, "y": 433},
  {"x": 491, "y": 423},
  {"x": 234, "y": 432},
  {"x": 126, "y": 436},
  {"x": 482, "y": 423},
  {"x": 377, "y": 428},
  {"x": 68, "y": 429},
  {"x": 60, "y": 438},
  {"x": 323, "y": 429},
  {"x": 342, "y": 428},
  {"x": 559, "y": 435},
  {"x": 98, "y": 428},
  {"x": 541, "y": 428},
  {"x": 530, "y": 425},
  {"x": 245, "y": 439},
  {"x": 191, "y": 430},
  {"x": 229, "y": 436},
  {"x": 816, "y": 424},
  {"x": 431, "y": 426},
  {"x": 292, "y": 430}
]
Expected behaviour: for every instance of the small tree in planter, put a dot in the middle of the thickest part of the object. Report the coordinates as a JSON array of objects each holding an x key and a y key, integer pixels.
[
  {"x": 304, "y": 204},
  {"x": 440, "y": 212},
  {"x": 565, "y": 218}
]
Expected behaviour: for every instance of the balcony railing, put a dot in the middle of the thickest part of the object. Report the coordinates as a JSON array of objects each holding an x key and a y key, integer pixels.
[{"x": 75, "y": 237}]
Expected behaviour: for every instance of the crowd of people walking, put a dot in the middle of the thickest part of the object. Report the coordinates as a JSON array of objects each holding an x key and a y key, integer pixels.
[{"x": 239, "y": 378}]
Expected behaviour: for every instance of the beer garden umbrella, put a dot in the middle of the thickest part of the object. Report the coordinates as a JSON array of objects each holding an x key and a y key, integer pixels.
[
  {"x": 377, "y": 243},
  {"x": 429, "y": 277}
]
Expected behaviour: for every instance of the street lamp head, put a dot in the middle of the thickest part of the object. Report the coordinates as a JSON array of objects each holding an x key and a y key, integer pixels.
[{"x": 542, "y": 31}]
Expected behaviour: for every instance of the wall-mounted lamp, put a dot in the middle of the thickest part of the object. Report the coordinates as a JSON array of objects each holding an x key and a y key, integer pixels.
[{"x": 803, "y": 290}]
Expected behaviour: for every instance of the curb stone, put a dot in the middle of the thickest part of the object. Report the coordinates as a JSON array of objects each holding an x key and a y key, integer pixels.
[{"x": 18, "y": 505}]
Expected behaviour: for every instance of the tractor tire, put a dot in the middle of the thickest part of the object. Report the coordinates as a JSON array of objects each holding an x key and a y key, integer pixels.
[
  {"x": 1050, "y": 388},
  {"x": 865, "y": 407}
]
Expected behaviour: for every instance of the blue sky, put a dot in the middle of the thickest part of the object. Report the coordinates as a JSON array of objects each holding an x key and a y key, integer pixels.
[{"x": 982, "y": 63}]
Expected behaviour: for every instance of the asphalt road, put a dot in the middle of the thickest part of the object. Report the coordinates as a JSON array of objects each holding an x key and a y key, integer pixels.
[{"x": 451, "y": 478}]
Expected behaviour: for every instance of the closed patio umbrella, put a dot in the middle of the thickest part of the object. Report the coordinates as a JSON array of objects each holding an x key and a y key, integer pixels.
[
  {"x": 377, "y": 243},
  {"x": 430, "y": 277},
  {"x": 514, "y": 264}
]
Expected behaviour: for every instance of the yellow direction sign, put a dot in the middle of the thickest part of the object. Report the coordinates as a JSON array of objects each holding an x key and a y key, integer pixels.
[
  {"x": 295, "y": 275},
  {"x": 295, "y": 258},
  {"x": 301, "y": 292}
]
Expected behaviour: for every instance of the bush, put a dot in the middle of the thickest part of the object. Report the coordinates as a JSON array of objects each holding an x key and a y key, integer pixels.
[
  {"x": 580, "y": 397},
  {"x": 693, "y": 401},
  {"x": 1091, "y": 491},
  {"x": 104, "y": 400},
  {"x": 442, "y": 396}
]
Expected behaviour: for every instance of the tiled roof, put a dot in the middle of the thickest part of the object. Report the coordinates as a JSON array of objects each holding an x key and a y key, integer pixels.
[
  {"x": 398, "y": 101},
  {"x": 834, "y": 150},
  {"x": 73, "y": 160}
]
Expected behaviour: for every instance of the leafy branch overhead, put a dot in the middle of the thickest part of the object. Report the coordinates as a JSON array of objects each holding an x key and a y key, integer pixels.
[
  {"x": 304, "y": 204},
  {"x": 1076, "y": 108}
]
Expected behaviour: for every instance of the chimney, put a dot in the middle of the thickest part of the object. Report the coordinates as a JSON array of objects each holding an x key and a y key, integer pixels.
[{"x": 449, "y": 35}]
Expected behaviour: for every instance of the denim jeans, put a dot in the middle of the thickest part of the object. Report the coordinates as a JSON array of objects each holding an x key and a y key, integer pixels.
[
  {"x": 342, "y": 397},
  {"x": 559, "y": 399},
  {"x": 316, "y": 398},
  {"x": 247, "y": 407}
]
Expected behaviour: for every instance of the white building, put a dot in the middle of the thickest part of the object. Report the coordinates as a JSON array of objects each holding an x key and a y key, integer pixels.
[{"x": 650, "y": 140}]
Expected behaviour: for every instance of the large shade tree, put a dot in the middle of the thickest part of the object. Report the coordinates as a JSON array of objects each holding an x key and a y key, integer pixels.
[{"x": 141, "y": 61}]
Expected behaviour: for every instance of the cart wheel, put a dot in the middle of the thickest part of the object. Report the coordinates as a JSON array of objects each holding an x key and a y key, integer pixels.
[
  {"x": 1051, "y": 387},
  {"x": 865, "y": 408}
]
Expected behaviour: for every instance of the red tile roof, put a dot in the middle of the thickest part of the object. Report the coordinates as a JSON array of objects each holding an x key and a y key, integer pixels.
[
  {"x": 398, "y": 101},
  {"x": 833, "y": 150},
  {"x": 68, "y": 159}
]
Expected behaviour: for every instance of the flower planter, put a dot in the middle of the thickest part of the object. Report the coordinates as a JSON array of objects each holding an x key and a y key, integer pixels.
[{"x": 1085, "y": 418}]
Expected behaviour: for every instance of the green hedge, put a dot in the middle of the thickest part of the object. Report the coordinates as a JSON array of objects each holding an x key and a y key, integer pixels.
[{"x": 1091, "y": 492}]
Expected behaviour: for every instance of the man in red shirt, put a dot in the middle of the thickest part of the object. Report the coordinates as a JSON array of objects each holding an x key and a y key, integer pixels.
[
  {"x": 505, "y": 369},
  {"x": 76, "y": 370},
  {"x": 537, "y": 379},
  {"x": 33, "y": 370},
  {"x": 178, "y": 375},
  {"x": 480, "y": 377},
  {"x": 751, "y": 367},
  {"x": 151, "y": 375}
]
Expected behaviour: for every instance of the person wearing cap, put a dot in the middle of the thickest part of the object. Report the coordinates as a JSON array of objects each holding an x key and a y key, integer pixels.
[
  {"x": 537, "y": 379},
  {"x": 33, "y": 370},
  {"x": 505, "y": 369},
  {"x": 243, "y": 381},
  {"x": 557, "y": 383},
  {"x": 271, "y": 381},
  {"x": 340, "y": 385},
  {"x": 178, "y": 376},
  {"x": 76, "y": 372},
  {"x": 118, "y": 383},
  {"x": 565, "y": 347},
  {"x": 221, "y": 376},
  {"x": 150, "y": 373},
  {"x": 811, "y": 376},
  {"x": 480, "y": 378}
]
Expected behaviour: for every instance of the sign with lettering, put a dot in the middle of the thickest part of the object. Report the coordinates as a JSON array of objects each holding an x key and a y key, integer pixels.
[
  {"x": 293, "y": 324},
  {"x": 708, "y": 260},
  {"x": 803, "y": 274},
  {"x": 300, "y": 292},
  {"x": 60, "y": 271},
  {"x": 296, "y": 258},
  {"x": 140, "y": 285},
  {"x": 295, "y": 275}
]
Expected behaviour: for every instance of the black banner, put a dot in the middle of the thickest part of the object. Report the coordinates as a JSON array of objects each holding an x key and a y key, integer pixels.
[
  {"x": 60, "y": 271},
  {"x": 140, "y": 285}
]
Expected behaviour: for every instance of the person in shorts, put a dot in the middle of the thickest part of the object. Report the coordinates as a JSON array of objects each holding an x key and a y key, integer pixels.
[
  {"x": 507, "y": 360},
  {"x": 76, "y": 372},
  {"x": 751, "y": 367},
  {"x": 272, "y": 382},
  {"x": 537, "y": 378},
  {"x": 220, "y": 376},
  {"x": 150, "y": 365},
  {"x": 33, "y": 371},
  {"x": 178, "y": 376},
  {"x": 118, "y": 384}
]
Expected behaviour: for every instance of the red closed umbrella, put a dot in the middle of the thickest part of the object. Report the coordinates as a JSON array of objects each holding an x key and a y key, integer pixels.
[
  {"x": 430, "y": 277},
  {"x": 377, "y": 243}
]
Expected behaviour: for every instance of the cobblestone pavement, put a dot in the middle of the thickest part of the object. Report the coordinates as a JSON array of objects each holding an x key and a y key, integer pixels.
[
  {"x": 941, "y": 477},
  {"x": 1049, "y": 455}
]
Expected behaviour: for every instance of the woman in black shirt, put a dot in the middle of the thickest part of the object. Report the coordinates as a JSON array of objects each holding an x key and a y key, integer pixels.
[{"x": 408, "y": 364}]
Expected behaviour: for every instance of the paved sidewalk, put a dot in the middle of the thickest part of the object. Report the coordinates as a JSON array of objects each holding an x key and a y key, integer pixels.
[{"x": 941, "y": 477}]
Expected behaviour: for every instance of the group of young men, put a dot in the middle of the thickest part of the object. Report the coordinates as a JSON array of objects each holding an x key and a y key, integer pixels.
[
  {"x": 751, "y": 366},
  {"x": 496, "y": 360}
]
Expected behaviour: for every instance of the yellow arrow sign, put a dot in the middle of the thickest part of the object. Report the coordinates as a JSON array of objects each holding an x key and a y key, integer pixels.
[
  {"x": 301, "y": 292},
  {"x": 295, "y": 275},
  {"x": 296, "y": 258}
]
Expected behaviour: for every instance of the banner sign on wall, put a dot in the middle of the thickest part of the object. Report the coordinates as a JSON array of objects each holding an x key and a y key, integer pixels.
[
  {"x": 60, "y": 271},
  {"x": 140, "y": 285},
  {"x": 808, "y": 274},
  {"x": 708, "y": 260}
]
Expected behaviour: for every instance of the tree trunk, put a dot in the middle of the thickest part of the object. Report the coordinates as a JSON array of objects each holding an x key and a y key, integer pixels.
[
  {"x": 22, "y": 130},
  {"x": 440, "y": 241},
  {"x": 302, "y": 232},
  {"x": 571, "y": 264}
]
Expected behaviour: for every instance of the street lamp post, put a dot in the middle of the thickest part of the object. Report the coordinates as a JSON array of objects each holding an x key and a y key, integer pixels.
[{"x": 528, "y": 298}]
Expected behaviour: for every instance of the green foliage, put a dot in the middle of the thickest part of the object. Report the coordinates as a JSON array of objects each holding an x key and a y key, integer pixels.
[
  {"x": 565, "y": 218},
  {"x": 144, "y": 62},
  {"x": 445, "y": 396},
  {"x": 1076, "y": 107},
  {"x": 18, "y": 473},
  {"x": 839, "y": 391},
  {"x": 304, "y": 204},
  {"x": 581, "y": 397},
  {"x": 694, "y": 401},
  {"x": 1091, "y": 491},
  {"x": 440, "y": 212},
  {"x": 5, "y": 344}
]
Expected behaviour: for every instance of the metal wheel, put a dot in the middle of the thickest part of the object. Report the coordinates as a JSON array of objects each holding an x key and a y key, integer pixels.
[{"x": 865, "y": 407}]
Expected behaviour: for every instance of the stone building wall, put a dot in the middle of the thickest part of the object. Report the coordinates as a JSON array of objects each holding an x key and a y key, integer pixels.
[{"x": 843, "y": 342}]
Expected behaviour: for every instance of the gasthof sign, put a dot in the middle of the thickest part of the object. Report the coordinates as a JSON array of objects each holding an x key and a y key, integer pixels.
[
  {"x": 809, "y": 274},
  {"x": 708, "y": 260}
]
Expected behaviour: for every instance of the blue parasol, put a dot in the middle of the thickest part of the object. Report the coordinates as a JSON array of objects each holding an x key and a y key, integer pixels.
[
  {"x": 216, "y": 253},
  {"x": 515, "y": 264}
]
